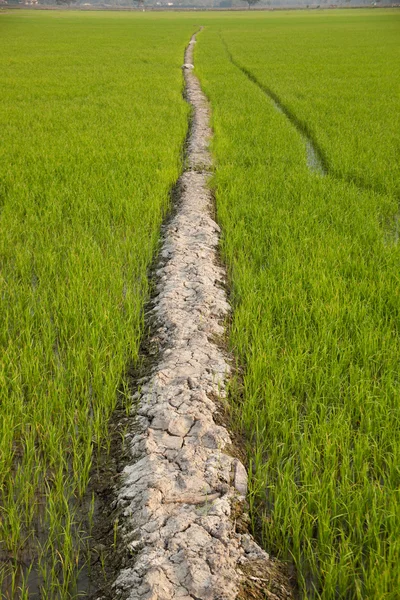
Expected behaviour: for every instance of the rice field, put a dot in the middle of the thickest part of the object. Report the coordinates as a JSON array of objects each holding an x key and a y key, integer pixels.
[
  {"x": 93, "y": 124},
  {"x": 92, "y": 127},
  {"x": 314, "y": 264}
]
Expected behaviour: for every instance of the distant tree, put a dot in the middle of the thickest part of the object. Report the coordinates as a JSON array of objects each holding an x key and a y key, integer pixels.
[
  {"x": 252, "y": 3},
  {"x": 140, "y": 4}
]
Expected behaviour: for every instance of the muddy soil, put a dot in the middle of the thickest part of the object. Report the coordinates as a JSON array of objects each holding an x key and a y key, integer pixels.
[{"x": 172, "y": 516}]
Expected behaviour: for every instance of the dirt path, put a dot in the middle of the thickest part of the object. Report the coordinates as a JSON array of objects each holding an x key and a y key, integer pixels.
[{"x": 182, "y": 492}]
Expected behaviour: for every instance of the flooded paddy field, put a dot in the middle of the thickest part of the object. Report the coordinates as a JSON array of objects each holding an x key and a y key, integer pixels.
[{"x": 304, "y": 177}]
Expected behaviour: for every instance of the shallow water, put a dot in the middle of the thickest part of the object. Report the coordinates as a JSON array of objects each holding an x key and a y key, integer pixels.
[{"x": 314, "y": 161}]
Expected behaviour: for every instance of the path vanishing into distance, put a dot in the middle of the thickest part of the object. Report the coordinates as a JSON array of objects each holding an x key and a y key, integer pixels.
[
  {"x": 182, "y": 497},
  {"x": 199, "y": 278}
]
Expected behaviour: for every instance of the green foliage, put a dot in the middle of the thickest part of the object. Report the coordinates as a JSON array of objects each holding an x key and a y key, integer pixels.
[
  {"x": 314, "y": 266},
  {"x": 93, "y": 122},
  {"x": 92, "y": 126},
  {"x": 338, "y": 73}
]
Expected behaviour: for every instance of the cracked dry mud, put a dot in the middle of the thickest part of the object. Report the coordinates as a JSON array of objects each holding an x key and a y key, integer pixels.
[{"x": 181, "y": 490}]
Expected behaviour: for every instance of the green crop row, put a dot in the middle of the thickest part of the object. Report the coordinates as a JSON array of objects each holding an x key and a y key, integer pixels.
[
  {"x": 92, "y": 128},
  {"x": 315, "y": 287}
]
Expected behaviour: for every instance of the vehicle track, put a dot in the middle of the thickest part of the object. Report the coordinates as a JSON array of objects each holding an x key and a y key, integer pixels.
[{"x": 316, "y": 159}]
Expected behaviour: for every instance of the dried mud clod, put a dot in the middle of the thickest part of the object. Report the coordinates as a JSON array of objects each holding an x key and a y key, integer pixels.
[
  {"x": 181, "y": 500},
  {"x": 265, "y": 579}
]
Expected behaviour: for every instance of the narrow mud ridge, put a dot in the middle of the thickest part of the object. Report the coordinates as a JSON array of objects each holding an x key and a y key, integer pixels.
[{"x": 181, "y": 498}]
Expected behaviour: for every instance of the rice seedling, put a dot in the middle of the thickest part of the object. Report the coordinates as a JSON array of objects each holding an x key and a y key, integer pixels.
[
  {"x": 315, "y": 287},
  {"x": 93, "y": 122},
  {"x": 337, "y": 74}
]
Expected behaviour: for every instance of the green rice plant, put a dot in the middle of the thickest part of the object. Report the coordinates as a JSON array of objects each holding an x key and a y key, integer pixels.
[
  {"x": 337, "y": 74},
  {"x": 315, "y": 289},
  {"x": 93, "y": 123}
]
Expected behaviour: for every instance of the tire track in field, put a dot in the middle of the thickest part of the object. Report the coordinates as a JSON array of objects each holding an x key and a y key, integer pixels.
[
  {"x": 316, "y": 159},
  {"x": 181, "y": 498}
]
